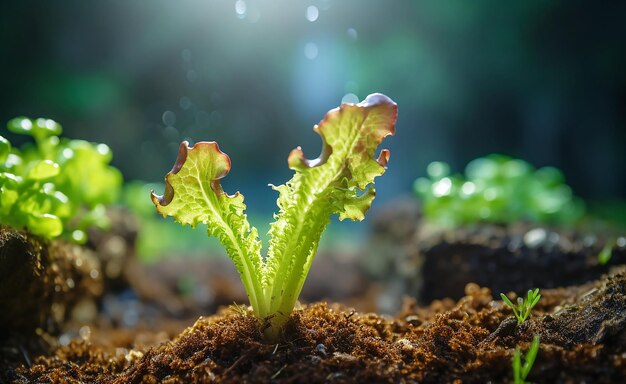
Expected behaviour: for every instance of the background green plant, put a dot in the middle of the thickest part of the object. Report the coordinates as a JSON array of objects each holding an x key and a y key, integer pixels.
[
  {"x": 521, "y": 371},
  {"x": 55, "y": 186},
  {"x": 499, "y": 189}
]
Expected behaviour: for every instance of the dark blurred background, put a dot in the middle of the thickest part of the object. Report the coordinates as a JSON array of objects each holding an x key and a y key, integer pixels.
[{"x": 544, "y": 81}]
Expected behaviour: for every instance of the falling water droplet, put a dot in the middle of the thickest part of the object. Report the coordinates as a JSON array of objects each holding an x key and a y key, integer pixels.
[
  {"x": 310, "y": 51},
  {"x": 312, "y": 13},
  {"x": 352, "y": 34},
  {"x": 240, "y": 8},
  {"x": 186, "y": 55},
  {"x": 169, "y": 118},
  {"x": 349, "y": 98},
  {"x": 185, "y": 102}
]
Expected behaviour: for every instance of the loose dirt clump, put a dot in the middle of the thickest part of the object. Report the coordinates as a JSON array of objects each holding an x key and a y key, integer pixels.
[{"x": 472, "y": 340}]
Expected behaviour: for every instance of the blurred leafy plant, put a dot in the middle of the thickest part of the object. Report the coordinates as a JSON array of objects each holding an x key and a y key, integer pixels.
[
  {"x": 606, "y": 253},
  {"x": 160, "y": 238},
  {"x": 523, "y": 307},
  {"x": 499, "y": 189},
  {"x": 55, "y": 186}
]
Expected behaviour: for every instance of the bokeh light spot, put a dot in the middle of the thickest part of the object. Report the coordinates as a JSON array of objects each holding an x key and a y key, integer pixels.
[
  {"x": 171, "y": 134},
  {"x": 312, "y": 13},
  {"x": 311, "y": 51},
  {"x": 169, "y": 118},
  {"x": 349, "y": 98},
  {"x": 352, "y": 34},
  {"x": 185, "y": 102},
  {"x": 442, "y": 187},
  {"x": 186, "y": 55},
  {"x": 192, "y": 75},
  {"x": 240, "y": 8}
]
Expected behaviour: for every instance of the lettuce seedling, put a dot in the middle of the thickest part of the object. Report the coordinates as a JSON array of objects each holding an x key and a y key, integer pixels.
[
  {"x": 340, "y": 181},
  {"x": 55, "y": 186}
]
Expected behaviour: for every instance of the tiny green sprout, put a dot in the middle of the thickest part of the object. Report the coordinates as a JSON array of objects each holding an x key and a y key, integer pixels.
[
  {"x": 523, "y": 307},
  {"x": 340, "y": 181},
  {"x": 521, "y": 371},
  {"x": 606, "y": 253}
]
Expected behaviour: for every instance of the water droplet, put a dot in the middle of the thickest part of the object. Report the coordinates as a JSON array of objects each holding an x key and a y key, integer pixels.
[
  {"x": 310, "y": 51},
  {"x": 192, "y": 75},
  {"x": 491, "y": 194},
  {"x": 468, "y": 188},
  {"x": 312, "y": 13},
  {"x": 169, "y": 118},
  {"x": 103, "y": 149},
  {"x": 535, "y": 237},
  {"x": 67, "y": 153},
  {"x": 171, "y": 134},
  {"x": 442, "y": 187},
  {"x": 438, "y": 169},
  {"x": 50, "y": 124},
  {"x": 240, "y": 8},
  {"x": 349, "y": 98},
  {"x": 352, "y": 34},
  {"x": 65, "y": 339},
  {"x": 186, "y": 54},
  {"x": 26, "y": 124},
  {"x": 79, "y": 237},
  {"x": 185, "y": 102}
]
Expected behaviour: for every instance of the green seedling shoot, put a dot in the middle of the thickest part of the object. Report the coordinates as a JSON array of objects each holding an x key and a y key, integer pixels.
[
  {"x": 55, "y": 186},
  {"x": 606, "y": 253},
  {"x": 523, "y": 307},
  {"x": 521, "y": 371},
  {"x": 340, "y": 181}
]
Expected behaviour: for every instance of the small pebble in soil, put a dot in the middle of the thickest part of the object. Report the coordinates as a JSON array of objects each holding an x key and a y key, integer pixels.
[
  {"x": 321, "y": 348},
  {"x": 413, "y": 320}
]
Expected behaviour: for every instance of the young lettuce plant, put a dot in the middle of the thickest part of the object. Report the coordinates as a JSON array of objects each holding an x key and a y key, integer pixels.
[{"x": 340, "y": 181}]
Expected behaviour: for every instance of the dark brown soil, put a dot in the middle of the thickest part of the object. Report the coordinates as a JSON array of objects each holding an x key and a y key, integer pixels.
[
  {"x": 509, "y": 258},
  {"x": 472, "y": 340},
  {"x": 41, "y": 283},
  {"x": 427, "y": 262}
]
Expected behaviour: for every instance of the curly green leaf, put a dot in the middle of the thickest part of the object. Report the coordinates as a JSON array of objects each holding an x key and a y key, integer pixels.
[{"x": 194, "y": 195}]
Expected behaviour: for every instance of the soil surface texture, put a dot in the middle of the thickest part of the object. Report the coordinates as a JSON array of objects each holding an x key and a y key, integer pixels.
[
  {"x": 416, "y": 258},
  {"x": 471, "y": 341}
]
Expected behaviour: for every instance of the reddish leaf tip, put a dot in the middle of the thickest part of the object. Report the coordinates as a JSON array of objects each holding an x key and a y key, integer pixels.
[
  {"x": 383, "y": 158},
  {"x": 376, "y": 99}
]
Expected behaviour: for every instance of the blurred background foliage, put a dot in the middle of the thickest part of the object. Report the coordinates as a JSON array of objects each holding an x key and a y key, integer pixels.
[{"x": 540, "y": 81}]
